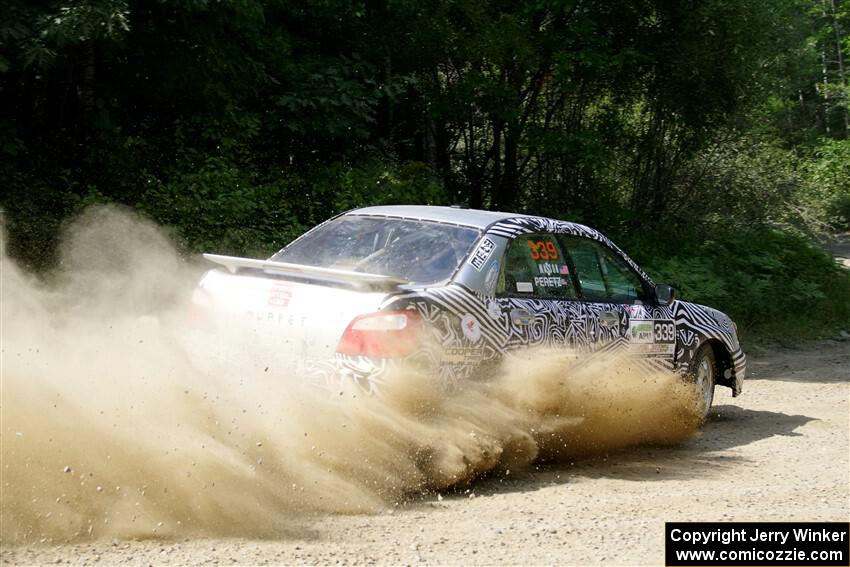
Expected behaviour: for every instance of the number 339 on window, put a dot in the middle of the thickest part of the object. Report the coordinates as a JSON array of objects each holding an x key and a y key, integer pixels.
[{"x": 542, "y": 250}]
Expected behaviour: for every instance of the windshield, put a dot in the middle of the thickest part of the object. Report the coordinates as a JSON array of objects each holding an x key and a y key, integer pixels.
[{"x": 420, "y": 251}]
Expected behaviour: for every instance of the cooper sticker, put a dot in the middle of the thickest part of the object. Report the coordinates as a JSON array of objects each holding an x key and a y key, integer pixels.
[
  {"x": 471, "y": 327},
  {"x": 482, "y": 253}
]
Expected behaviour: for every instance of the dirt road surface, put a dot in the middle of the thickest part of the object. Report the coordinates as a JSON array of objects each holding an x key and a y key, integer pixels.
[
  {"x": 839, "y": 247},
  {"x": 781, "y": 451}
]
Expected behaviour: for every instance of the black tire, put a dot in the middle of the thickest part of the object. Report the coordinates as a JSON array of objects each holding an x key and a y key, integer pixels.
[{"x": 703, "y": 375}]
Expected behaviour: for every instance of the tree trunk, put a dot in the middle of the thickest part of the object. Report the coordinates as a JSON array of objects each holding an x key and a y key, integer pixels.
[
  {"x": 842, "y": 76},
  {"x": 506, "y": 192},
  {"x": 388, "y": 76},
  {"x": 825, "y": 76},
  {"x": 87, "y": 95},
  {"x": 498, "y": 126},
  {"x": 473, "y": 171}
]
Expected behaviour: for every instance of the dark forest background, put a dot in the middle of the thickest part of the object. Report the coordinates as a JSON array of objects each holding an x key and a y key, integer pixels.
[{"x": 710, "y": 138}]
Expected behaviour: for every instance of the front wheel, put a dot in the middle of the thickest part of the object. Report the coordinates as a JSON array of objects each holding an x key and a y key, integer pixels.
[{"x": 702, "y": 374}]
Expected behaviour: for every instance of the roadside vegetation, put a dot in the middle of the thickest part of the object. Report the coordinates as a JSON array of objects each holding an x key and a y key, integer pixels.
[{"x": 711, "y": 139}]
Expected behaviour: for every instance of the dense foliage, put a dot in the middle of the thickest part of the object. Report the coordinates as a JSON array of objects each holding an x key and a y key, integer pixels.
[{"x": 714, "y": 135}]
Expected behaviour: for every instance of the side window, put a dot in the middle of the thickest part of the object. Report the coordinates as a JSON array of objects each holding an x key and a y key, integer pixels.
[
  {"x": 602, "y": 274},
  {"x": 535, "y": 266}
]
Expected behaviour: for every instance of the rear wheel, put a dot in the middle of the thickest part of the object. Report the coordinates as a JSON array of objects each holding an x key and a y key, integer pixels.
[{"x": 703, "y": 374}]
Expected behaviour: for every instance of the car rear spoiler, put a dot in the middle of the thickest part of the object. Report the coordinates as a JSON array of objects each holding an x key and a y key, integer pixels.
[{"x": 357, "y": 280}]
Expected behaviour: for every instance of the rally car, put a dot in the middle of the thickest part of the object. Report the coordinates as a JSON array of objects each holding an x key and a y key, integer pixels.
[{"x": 456, "y": 289}]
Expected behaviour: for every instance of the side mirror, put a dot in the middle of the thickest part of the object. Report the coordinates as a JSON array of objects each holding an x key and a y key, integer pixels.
[{"x": 664, "y": 294}]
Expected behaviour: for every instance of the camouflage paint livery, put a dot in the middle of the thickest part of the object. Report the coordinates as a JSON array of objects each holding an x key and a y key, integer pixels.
[{"x": 471, "y": 327}]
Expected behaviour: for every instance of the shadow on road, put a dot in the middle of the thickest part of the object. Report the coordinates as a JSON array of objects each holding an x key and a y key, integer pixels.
[{"x": 728, "y": 427}]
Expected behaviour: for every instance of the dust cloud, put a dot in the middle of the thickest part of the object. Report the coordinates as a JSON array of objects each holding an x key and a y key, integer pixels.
[{"x": 109, "y": 428}]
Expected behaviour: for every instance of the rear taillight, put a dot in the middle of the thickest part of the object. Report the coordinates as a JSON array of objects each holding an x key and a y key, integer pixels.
[
  {"x": 199, "y": 311},
  {"x": 386, "y": 334}
]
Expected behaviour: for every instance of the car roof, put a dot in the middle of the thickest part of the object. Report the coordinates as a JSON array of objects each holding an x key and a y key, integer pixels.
[{"x": 454, "y": 215}]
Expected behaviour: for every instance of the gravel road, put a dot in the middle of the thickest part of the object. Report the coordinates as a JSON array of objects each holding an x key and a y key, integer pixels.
[
  {"x": 781, "y": 451},
  {"x": 839, "y": 246}
]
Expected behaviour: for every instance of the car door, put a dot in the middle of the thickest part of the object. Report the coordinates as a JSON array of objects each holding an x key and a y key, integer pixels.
[
  {"x": 617, "y": 301},
  {"x": 536, "y": 295}
]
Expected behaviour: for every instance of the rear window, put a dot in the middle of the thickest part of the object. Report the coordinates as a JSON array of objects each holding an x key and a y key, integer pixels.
[{"x": 420, "y": 251}]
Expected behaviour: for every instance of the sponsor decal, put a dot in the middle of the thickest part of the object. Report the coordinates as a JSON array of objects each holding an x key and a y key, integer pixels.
[
  {"x": 652, "y": 348},
  {"x": 634, "y": 310},
  {"x": 524, "y": 287},
  {"x": 471, "y": 328},
  {"x": 550, "y": 269},
  {"x": 648, "y": 331},
  {"x": 491, "y": 278},
  {"x": 640, "y": 331},
  {"x": 276, "y": 318},
  {"x": 280, "y": 295},
  {"x": 462, "y": 356},
  {"x": 494, "y": 310},
  {"x": 482, "y": 253},
  {"x": 547, "y": 268}
]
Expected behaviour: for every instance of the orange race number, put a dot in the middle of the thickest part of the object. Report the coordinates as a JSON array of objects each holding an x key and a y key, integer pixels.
[{"x": 541, "y": 250}]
